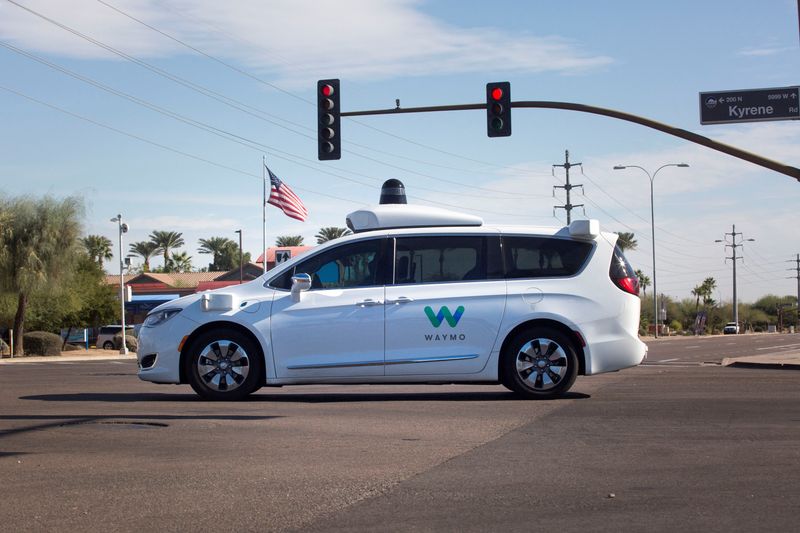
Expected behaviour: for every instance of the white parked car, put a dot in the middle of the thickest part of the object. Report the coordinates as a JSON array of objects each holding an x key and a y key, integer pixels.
[
  {"x": 731, "y": 328},
  {"x": 416, "y": 294},
  {"x": 105, "y": 337}
]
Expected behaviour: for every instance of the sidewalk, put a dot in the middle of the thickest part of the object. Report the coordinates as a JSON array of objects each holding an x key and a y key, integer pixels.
[{"x": 72, "y": 356}]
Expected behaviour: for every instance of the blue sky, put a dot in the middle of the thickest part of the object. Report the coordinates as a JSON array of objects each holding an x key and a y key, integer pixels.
[{"x": 647, "y": 58}]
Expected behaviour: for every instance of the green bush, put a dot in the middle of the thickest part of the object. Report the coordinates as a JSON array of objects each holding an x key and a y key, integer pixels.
[
  {"x": 130, "y": 342},
  {"x": 42, "y": 343}
]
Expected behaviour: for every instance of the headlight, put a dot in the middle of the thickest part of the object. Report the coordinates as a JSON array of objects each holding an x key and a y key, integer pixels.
[{"x": 159, "y": 317}]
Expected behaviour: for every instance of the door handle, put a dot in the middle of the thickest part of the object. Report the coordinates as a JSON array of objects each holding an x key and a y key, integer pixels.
[
  {"x": 369, "y": 302},
  {"x": 400, "y": 300}
]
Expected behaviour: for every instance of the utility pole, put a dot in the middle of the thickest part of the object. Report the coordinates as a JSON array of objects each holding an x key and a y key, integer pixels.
[
  {"x": 567, "y": 186},
  {"x": 733, "y": 245},
  {"x": 797, "y": 270}
]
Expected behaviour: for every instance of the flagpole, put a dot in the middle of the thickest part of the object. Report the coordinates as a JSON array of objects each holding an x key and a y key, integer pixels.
[{"x": 264, "y": 211}]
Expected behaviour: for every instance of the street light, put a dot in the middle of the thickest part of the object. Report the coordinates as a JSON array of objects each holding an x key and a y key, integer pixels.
[
  {"x": 123, "y": 228},
  {"x": 653, "y": 229},
  {"x": 241, "y": 256}
]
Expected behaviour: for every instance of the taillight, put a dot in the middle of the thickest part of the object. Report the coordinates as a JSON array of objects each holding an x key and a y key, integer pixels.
[
  {"x": 622, "y": 274},
  {"x": 630, "y": 285}
]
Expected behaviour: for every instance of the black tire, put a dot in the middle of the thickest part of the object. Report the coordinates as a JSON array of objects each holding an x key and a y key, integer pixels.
[
  {"x": 224, "y": 364},
  {"x": 108, "y": 345},
  {"x": 548, "y": 363}
]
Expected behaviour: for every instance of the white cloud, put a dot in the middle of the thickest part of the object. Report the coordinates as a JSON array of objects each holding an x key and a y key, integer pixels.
[
  {"x": 209, "y": 221},
  {"x": 764, "y": 51},
  {"x": 295, "y": 40}
]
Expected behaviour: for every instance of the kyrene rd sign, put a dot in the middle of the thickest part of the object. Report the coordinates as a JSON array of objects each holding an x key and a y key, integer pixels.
[{"x": 753, "y": 105}]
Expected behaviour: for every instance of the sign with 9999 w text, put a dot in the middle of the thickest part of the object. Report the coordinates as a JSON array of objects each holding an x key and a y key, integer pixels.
[{"x": 752, "y": 105}]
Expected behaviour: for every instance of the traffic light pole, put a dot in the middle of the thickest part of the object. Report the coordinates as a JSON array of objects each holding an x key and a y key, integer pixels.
[{"x": 777, "y": 166}]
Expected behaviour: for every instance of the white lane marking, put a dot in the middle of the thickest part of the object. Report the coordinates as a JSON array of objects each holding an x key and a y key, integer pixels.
[
  {"x": 779, "y": 346},
  {"x": 729, "y": 343},
  {"x": 694, "y": 346},
  {"x": 667, "y": 360}
]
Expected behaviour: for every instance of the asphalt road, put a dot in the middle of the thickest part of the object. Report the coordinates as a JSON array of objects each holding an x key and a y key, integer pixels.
[
  {"x": 678, "y": 351},
  {"x": 88, "y": 447}
]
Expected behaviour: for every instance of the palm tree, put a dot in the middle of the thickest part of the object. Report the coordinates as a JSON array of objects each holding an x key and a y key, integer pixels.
[
  {"x": 38, "y": 241},
  {"x": 708, "y": 286},
  {"x": 223, "y": 249},
  {"x": 644, "y": 281},
  {"x": 98, "y": 248},
  {"x": 166, "y": 241},
  {"x": 330, "y": 233},
  {"x": 626, "y": 241},
  {"x": 289, "y": 240},
  {"x": 145, "y": 250},
  {"x": 179, "y": 262},
  {"x": 698, "y": 292}
]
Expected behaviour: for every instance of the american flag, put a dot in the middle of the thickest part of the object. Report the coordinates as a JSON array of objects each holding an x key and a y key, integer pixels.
[{"x": 283, "y": 197}]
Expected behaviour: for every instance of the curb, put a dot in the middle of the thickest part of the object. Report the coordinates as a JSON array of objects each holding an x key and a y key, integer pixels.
[
  {"x": 771, "y": 366},
  {"x": 788, "y": 361}
]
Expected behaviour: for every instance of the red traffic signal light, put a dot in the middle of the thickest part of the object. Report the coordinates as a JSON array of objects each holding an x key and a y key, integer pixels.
[
  {"x": 329, "y": 141},
  {"x": 498, "y": 109}
]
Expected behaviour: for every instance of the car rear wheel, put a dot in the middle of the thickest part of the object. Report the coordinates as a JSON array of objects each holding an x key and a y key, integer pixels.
[
  {"x": 224, "y": 364},
  {"x": 539, "y": 363},
  {"x": 108, "y": 345}
]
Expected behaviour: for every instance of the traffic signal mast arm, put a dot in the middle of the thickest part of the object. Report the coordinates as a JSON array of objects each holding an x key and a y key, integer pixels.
[{"x": 787, "y": 170}]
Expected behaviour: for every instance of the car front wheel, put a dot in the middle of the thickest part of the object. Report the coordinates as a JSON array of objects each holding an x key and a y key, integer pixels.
[
  {"x": 224, "y": 365},
  {"x": 539, "y": 363},
  {"x": 108, "y": 345}
]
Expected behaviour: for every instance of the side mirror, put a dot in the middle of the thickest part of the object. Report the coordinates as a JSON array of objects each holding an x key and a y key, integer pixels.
[{"x": 300, "y": 282}]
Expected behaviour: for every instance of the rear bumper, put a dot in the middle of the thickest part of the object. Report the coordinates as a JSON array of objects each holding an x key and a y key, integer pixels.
[{"x": 614, "y": 354}]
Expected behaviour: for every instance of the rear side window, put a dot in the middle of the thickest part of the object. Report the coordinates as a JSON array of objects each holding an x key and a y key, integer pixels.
[
  {"x": 442, "y": 259},
  {"x": 108, "y": 330},
  {"x": 544, "y": 257}
]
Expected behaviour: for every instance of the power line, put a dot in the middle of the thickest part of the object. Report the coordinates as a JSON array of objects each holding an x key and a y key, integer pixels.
[
  {"x": 238, "y": 105},
  {"x": 227, "y": 135},
  {"x": 274, "y": 154}
]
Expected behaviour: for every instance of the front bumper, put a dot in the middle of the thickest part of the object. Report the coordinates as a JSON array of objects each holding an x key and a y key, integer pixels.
[{"x": 158, "y": 355}]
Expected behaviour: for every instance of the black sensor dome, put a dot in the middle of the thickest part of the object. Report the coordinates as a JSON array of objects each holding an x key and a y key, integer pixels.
[{"x": 393, "y": 192}]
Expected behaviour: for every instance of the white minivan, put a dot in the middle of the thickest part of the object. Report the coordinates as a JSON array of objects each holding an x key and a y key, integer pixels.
[{"x": 415, "y": 295}]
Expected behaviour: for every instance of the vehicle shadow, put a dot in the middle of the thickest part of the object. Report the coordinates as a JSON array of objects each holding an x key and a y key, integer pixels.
[
  {"x": 139, "y": 421},
  {"x": 294, "y": 397}
]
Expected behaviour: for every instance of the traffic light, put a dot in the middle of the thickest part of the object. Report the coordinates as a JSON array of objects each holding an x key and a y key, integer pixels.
[
  {"x": 329, "y": 141},
  {"x": 498, "y": 109}
]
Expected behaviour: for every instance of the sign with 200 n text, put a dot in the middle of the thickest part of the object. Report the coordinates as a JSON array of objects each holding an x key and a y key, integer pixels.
[{"x": 752, "y": 105}]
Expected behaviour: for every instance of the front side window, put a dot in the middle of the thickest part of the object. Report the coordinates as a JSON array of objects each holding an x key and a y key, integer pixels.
[
  {"x": 441, "y": 259},
  {"x": 544, "y": 257},
  {"x": 350, "y": 265}
]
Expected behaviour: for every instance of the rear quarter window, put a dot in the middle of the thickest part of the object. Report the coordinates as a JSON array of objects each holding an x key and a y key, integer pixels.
[{"x": 544, "y": 257}]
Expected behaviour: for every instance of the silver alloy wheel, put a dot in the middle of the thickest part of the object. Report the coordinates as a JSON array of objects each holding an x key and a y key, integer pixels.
[
  {"x": 542, "y": 364},
  {"x": 223, "y": 365}
]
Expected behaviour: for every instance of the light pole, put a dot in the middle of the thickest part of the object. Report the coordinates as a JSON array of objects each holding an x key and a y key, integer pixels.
[
  {"x": 653, "y": 230},
  {"x": 734, "y": 246},
  {"x": 123, "y": 228},
  {"x": 241, "y": 256}
]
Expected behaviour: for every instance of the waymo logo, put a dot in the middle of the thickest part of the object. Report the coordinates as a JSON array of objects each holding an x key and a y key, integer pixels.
[{"x": 444, "y": 314}]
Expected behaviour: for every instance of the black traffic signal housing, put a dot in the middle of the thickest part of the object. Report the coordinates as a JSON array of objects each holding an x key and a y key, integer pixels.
[
  {"x": 329, "y": 139},
  {"x": 498, "y": 109}
]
